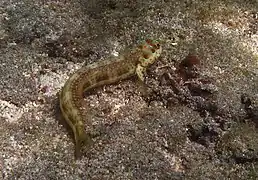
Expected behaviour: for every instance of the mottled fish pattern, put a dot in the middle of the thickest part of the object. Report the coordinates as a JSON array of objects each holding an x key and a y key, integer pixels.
[{"x": 134, "y": 62}]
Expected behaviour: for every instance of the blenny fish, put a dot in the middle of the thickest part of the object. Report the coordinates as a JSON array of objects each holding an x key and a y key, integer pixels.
[{"x": 132, "y": 63}]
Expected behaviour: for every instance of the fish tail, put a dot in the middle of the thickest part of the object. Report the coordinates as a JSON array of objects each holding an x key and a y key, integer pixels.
[{"x": 81, "y": 138}]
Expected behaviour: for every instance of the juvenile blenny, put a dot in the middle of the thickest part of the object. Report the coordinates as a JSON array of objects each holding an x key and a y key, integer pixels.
[{"x": 134, "y": 62}]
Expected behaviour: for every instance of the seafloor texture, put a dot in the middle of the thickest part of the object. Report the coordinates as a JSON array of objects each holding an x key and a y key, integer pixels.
[{"x": 198, "y": 118}]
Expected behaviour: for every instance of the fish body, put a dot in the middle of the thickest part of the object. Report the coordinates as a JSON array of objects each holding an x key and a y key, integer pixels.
[{"x": 129, "y": 64}]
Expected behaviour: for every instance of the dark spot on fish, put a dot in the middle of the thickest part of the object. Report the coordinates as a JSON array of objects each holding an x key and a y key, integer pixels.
[
  {"x": 101, "y": 77},
  {"x": 146, "y": 56},
  {"x": 122, "y": 70},
  {"x": 86, "y": 84}
]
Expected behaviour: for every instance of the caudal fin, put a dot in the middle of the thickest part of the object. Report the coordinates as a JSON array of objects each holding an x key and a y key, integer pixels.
[{"x": 81, "y": 139}]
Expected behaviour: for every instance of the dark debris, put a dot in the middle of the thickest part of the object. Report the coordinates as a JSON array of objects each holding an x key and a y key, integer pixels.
[
  {"x": 250, "y": 107},
  {"x": 186, "y": 86}
]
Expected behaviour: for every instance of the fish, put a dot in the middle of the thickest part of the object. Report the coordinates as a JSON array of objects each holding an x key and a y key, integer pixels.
[{"x": 133, "y": 62}]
